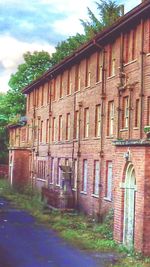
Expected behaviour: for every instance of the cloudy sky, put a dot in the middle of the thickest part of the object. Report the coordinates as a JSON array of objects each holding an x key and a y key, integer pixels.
[{"x": 29, "y": 25}]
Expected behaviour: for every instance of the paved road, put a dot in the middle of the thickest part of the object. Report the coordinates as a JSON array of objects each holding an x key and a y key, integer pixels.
[{"x": 23, "y": 243}]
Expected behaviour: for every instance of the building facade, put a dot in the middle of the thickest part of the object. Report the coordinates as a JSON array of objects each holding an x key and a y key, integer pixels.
[{"x": 89, "y": 112}]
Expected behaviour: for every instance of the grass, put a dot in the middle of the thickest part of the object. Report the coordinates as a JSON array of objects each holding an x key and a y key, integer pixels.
[{"x": 76, "y": 228}]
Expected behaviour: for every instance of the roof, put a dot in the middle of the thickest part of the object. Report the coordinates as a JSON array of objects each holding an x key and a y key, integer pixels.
[{"x": 130, "y": 18}]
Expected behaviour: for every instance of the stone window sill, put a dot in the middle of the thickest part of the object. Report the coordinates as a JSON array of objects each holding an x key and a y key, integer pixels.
[
  {"x": 95, "y": 196},
  {"x": 130, "y": 62},
  {"x": 107, "y": 199},
  {"x": 83, "y": 192}
]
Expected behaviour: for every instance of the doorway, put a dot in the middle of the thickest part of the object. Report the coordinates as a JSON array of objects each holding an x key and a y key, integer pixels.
[{"x": 129, "y": 206}]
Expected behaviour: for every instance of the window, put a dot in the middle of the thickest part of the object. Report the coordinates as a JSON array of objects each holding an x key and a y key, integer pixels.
[
  {"x": 96, "y": 177},
  {"x": 23, "y": 134},
  {"x": 75, "y": 174},
  {"x": 111, "y": 61},
  {"x": 111, "y": 118},
  {"x": 109, "y": 181},
  {"x": 54, "y": 89},
  {"x": 137, "y": 113},
  {"x": 69, "y": 83},
  {"x": 86, "y": 122},
  {"x": 52, "y": 176},
  {"x": 54, "y": 129},
  {"x": 60, "y": 128},
  {"x": 77, "y": 124},
  {"x": 58, "y": 172},
  {"x": 48, "y": 91},
  {"x": 125, "y": 112},
  {"x": 67, "y": 162},
  {"x": 130, "y": 45},
  {"x": 78, "y": 78},
  {"x": 41, "y": 173},
  {"x": 148, "y": 111},
  {"x": 87, "y": 73},
  {"x": 29, "y": 96},
  {"x": 68, "y": 127},
  {"x": 85, "y": 173},
  {"x": 98, "y": 121},
  {"x": 42, "y": 95},
  {"x": 41, "y": 132},
  {"x": 47, "y": 131},
  {"x": 99, "y": 67},
  {"x": 37, "y": 97},
  {"x": 61, "y": 86},
  {"x": 28, "y": 133}
]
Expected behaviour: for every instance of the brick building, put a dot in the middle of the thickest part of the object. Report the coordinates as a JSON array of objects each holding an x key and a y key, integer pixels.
[{"x": 89, "y": 113}]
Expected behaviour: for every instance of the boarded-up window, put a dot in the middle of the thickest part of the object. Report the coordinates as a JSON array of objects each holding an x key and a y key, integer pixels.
[
  {"x": 137, "y": 113},
  {"x": 111, "y": 118},
  {"x": 87, "y": 73},
  {"x": 60, "y": 128},
  {"x": 99, "y": 67},
  {"x": 148, "y": 111},
  {"x": 75, "y": 174},
  {"x": 86, "y": 122},
  {"x": 69, "y": 83},
  {"x": 52, "y": 176},
  {"x": 125, "y": 112},
  {"x": 96, "y": 177},
  {"x": 47, "y": 130},
  {"x": 61, "y": 86},
  {"x": 54, "y": 129},
  {"x": 85, "y": 176},
  {"x": 78, "y": 78},
  {"x": 41, "y": 132},
  {"x": 77, "y": 124},
  {"x": 42, "y": 95},
  {"x": 98, "y": 121},
  {"x": 111, "y": 61},
  {"x": 109, "y": 181},
  {"x": 68, "y": 127},
  {"x": 41, "y": 173},
  {"x": 54, "y": 89},
  {"x": 58, "y": 181},
  {"x": 23, "y": 135},
  {"x": 130, "y": 45}
]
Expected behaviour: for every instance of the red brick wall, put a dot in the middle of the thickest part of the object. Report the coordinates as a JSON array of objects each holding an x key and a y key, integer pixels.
[{"x": 93, "y": 148}]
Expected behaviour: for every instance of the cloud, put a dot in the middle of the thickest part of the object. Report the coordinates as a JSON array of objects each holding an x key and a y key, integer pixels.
[{"x": 11, "y": 55}]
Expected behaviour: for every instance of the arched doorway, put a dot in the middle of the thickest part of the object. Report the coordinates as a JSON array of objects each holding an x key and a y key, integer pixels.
[{"x": 129, "y": 206}]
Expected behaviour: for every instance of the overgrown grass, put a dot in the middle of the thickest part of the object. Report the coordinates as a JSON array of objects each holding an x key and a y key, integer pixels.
[{"x": 75, "y": 228}]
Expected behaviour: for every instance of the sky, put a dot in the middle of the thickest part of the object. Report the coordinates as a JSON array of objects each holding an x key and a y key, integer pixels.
[{"x": 29, "y": 25}]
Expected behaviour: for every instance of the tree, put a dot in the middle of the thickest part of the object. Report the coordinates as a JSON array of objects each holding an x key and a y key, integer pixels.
[
  {"x": 33, "y": 67},
  {"x": 108, "y": 12},
  {"x": 65, "y": 48}
]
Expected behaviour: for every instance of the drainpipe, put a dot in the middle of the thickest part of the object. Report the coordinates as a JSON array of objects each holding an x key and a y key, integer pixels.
[
  {"x": 142, "y": 78},
  {"x": 74, "y": 131},
  {"x": 103, "y": 96},
  {"x": 33, "y": 137},
  {"x": 121, "y": 85},
  {"x": 78, "y": 156},
  {"x": 101, "y": 153},
  {"x": 49, "y": 141}
]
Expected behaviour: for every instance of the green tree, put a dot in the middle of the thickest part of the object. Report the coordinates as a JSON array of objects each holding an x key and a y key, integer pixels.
[
  {"x": 108, "y": 11},
  {"x": 65, "y": 48}
]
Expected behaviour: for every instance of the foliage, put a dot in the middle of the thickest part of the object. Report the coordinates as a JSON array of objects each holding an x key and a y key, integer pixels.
[
  {"x": 108, "y": 12},
  {"x": 75, "y": 228},
  {"x": 65, "y": 48}
]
